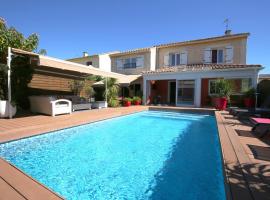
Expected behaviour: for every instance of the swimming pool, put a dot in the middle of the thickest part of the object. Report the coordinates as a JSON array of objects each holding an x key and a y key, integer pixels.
[{"x": 147, "y": 155}]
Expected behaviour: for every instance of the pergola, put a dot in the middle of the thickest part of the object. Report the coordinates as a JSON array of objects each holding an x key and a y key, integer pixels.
[{"x": 49, "y": 64}]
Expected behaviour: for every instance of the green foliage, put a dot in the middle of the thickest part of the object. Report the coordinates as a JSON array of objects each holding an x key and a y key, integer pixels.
[
  {"x": 114, "y": 103},
  {"x": 112, "y": 89},
  {"x": 42, "y": 52},
  {"x": 264, "y": 93},
  {"x": 127, "y": 99},
  {"x": 224, "y": 88},
  {"x": 21, "y": 70},
  {"x": 250, "y": 93},
  {"x": 76, "y": 86},
  {"x": 94, "y": 78},
  {"x": 21, "y": 75},
  {"x": 136, "y": 98},
  {"x": 89, "y": 90}
]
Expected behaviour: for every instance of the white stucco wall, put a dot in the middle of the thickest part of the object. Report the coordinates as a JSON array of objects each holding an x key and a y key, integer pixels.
[{"x": 105, "y": 62}]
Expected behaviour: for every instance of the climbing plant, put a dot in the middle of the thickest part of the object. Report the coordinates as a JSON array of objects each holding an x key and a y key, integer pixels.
[{"x": 21, "y": 70}]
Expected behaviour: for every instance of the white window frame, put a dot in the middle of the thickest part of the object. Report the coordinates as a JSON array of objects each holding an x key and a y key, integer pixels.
[
  {"x": 223, "y": 55},
  {"x": 175, "y": 58},
  {"x": 209, "y": 82}
]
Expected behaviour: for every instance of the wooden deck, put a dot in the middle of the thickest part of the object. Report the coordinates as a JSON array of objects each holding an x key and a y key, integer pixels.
[{"x": 247, "y": 176}]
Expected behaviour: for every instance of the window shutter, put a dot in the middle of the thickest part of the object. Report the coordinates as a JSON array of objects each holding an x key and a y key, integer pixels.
[
  {"x": 183, "y": 58},
  {"x": 140, "y": 61},
  {"x": 207, "y": 55},
  {"x": 229, "y": 54},
  {"x": 167, "y": 59},
  {"x": 119, "y": 63}
]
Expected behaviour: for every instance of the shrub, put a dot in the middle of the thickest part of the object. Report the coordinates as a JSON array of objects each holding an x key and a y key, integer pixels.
[
  {"x": 127, "y": 99},
  {"x": 136, "y": 99},
  {"x": 113, "y": 103},
  {"x": 250, "y": 93},
  {"x": 224, "y": 88}
]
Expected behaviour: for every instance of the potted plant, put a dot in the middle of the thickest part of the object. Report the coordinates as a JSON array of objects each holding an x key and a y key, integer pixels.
[
  {"x": 224, "y": 90},
  {"x": 127, "y": 101},
  {"x": 136, "y": 101},
  {"x": 249, "y": 98}
]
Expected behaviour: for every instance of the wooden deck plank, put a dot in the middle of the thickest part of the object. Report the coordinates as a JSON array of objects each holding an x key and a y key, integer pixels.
[
  {"x": 24, "y": 184},
  {"x": 9, "y": 193}
]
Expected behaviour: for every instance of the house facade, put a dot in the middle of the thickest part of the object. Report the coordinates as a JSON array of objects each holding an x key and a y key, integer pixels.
[{"x": 183, "y": 73}]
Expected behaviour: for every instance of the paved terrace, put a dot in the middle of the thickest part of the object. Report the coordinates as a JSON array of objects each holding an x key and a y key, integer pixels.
[{"x": 246, "y": 158}]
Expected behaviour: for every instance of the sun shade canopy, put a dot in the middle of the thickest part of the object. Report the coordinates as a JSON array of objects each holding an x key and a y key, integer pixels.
[
  {"x": 54, "y": 63},
  {"x": 123, "y": 81}
]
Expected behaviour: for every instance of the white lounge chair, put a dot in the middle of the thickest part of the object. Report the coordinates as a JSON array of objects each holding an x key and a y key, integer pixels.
[{"x": 50, "y": 105}]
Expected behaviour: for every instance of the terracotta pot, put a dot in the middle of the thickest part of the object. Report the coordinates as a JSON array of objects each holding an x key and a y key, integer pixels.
[
  {"x": 127, "y": 103},
  {"x": 221, "y": 103},
  {"x": 136, "y": 103},
  {"x": 249, "y": 102}
]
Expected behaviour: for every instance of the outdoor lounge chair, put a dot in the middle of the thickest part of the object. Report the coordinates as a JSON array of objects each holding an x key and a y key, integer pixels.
[
  {"x": 261, "y": 126},
  {"x": 49, "y": 105},
  {"x": 246, "y": 113}
]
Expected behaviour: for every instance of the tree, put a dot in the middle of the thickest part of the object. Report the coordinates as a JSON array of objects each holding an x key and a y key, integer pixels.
[
  {"x": 76, "y": 86},
  {"x": 42, "y": 52},
  {"x": 21, "y": 70},
  {"x": 112, "y": 91}
]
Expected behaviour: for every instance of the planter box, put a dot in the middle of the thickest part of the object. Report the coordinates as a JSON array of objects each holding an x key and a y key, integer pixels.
[{"x": 4, "y": 105}]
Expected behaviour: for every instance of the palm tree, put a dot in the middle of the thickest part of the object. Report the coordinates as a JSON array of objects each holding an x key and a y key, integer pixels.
[{"x": 111, "y": 91}]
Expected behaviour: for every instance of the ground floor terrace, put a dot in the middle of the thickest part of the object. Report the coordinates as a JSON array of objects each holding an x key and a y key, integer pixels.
[
  {"x": 246, "y": 169},
  {"x": 195, "y": 88}
]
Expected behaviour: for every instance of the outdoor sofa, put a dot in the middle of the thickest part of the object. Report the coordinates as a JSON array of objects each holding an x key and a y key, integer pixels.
[
  {"x": 50, "y": 105},
  {"x": 79, "y": 103}
]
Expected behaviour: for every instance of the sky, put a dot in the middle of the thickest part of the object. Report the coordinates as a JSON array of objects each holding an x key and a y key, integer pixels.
[{"x": 66, "y": 28}]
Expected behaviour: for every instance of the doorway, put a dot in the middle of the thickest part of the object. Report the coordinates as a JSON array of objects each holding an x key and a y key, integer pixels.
[{"x": 172, "y": 92}]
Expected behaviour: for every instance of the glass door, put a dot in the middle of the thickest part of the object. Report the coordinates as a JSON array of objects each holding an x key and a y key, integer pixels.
[{"x": 185, "y": 95}]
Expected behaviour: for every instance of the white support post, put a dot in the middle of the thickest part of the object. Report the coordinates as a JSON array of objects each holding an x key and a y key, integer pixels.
[
  {"x": 145, "y": 82},
  {"x": 106, "y": 93},
  {"x": 9, "y": 58}
]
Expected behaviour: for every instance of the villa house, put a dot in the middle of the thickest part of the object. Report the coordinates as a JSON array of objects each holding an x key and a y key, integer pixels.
[{"x": 182, "y": 73}]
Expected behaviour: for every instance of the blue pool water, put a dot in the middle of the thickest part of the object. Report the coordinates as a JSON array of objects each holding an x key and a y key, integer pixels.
[{"x": 147, "y": 155}]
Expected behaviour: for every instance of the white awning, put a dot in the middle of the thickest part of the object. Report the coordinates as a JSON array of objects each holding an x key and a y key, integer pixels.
[
  {"x": 124, "y": 80},
  {"x": 69, "y": 66}
]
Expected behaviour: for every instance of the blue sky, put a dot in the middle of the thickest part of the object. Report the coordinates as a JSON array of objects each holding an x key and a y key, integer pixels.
[{"x": 67, "y": 28}]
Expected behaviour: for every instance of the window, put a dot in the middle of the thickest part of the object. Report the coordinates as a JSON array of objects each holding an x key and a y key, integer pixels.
[
  {"x": 89, "y": 63},
  {"x": 129, "y": 63},
  {"x": 185, "y": 92},
  {"x": 217, "y": 56},
  {"x": 212, "y": 87},
  {"x": 176, "y": 59}
]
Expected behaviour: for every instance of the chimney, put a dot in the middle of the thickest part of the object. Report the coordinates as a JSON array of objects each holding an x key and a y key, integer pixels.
[
  {"x": 85, "y": 54},
  {"x": 228, "y": 32}
]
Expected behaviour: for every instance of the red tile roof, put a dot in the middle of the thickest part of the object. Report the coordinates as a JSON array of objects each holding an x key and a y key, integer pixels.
[{"x": 201, "y": 67}]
